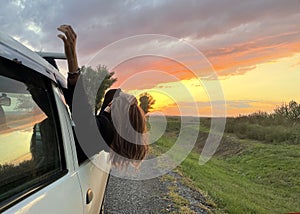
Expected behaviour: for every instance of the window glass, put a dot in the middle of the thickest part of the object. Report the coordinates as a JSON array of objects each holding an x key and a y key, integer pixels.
[{"x": 29, "y": 151}]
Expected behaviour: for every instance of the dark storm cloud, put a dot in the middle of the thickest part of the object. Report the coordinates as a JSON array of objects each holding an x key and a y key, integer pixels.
[{"x": 217, "y": 28}]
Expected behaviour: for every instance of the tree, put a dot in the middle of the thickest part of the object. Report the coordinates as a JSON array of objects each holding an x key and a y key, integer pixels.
[
  {"x": 146, "y": 102},
  {"x": 96, "y": 81},
  {"x": 290, "y": 111},
  {"x": 282, "y": 111},
  {"x": 294, "y": 110}
]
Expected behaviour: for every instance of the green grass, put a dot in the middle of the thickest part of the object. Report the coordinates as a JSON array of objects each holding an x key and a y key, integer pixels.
[
  {"x": 245, "y": 185},
  {"x": 263, "y": 178}
]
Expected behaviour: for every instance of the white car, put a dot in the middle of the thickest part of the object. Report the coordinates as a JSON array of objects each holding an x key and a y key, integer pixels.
[{"x": 41, "y": 170}]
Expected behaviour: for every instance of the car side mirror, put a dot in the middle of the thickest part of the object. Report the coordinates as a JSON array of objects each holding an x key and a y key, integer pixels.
[{"x": 4, "y": 100}]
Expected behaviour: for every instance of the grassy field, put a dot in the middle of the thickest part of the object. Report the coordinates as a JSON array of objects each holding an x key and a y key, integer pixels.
[{"x": 245, "y": 175}]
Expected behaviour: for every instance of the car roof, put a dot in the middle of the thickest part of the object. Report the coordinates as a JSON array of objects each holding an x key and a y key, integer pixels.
[{"x": 15, "y": 51}]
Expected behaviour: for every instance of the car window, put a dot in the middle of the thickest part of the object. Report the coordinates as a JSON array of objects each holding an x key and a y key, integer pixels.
[{"x": 30, "y": 152}]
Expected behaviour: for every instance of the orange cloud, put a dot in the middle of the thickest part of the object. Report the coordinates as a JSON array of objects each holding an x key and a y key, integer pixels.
[
  {"x": 227, "y": 61},
  {"x": 232, "y": 60},
  {"x": 242, "y": 68},
  {"x": 149, "y": 64},
  {"x": 236, "y": 60}
]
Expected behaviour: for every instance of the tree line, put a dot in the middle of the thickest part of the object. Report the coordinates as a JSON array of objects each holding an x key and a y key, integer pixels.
[
  {"x": 284, "y": 114},
  {"x": 281, "y": 125},
  {"x": 98, "y": 80}
]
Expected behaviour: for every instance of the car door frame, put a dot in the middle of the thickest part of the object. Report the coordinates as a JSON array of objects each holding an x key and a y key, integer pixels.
[{"x": 52, "y": 197}]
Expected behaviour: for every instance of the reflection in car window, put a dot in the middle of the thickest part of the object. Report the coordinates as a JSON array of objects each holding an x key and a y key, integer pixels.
[{"x": 29, "y": 151}]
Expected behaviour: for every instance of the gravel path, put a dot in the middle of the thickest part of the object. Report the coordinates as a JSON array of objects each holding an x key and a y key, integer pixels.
[{"x": 153, "y": 196}]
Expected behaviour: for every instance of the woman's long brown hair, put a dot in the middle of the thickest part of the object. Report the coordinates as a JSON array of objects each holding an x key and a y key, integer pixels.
[{"x": 126, "y": 152}]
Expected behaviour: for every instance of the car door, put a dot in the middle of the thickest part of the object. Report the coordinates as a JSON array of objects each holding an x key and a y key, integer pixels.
[
  {"x": 92, "y": 172},
  {"x": 93, "y": 181},
  {"x": 37, "y": 171}
]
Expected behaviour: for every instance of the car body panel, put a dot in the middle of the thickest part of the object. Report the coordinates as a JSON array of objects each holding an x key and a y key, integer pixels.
[
  {"x": 62, "y": 196},
  {"x": 92, "y": 182}
]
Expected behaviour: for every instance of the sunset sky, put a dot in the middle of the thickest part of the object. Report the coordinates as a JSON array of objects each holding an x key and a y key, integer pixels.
[{"x": 181, "y": 52}]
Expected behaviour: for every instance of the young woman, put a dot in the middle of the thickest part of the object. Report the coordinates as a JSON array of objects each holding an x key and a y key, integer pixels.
[{"x": 121, "y": 121}]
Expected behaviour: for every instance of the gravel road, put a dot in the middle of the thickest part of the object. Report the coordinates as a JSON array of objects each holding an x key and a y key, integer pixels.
[{"x": 153, "y": 196}]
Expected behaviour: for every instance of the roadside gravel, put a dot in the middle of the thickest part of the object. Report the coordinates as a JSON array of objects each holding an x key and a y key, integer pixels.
[{"x": 165, "y": 194}]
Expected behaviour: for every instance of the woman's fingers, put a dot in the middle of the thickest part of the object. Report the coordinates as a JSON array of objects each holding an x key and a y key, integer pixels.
[
  {"x": 72, "y": 32},
  {"x": 62, "y": 37},
  {"x": 68, "y": 31},
  {"x": 69, "y": 38}
]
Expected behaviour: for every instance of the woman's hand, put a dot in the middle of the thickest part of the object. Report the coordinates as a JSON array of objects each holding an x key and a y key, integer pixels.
[{"x": 69, "y": 39}]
